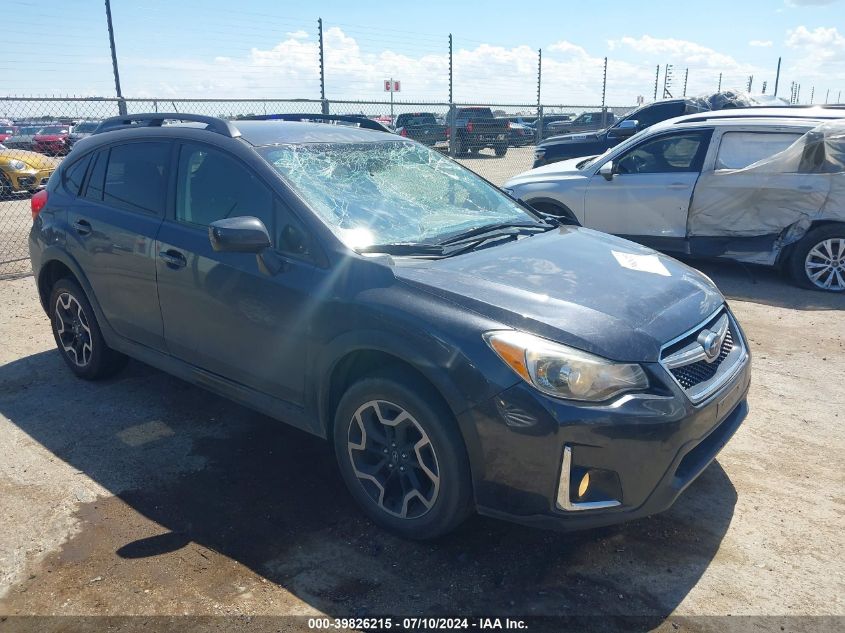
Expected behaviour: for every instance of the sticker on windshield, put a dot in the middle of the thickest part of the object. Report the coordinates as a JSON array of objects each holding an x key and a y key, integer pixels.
[{"x": 643, "y": 263}]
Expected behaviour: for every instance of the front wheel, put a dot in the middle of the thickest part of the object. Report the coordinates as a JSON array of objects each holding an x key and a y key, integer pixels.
[
  {"x": 78, "y": 335},
  {"x": 818, "y": 259},
  {"x": 401, "y": 456}
]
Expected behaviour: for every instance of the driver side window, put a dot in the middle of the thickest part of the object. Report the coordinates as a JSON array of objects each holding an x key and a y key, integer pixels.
[
  {"x": 212, "y": 185},
  {"x": 682, "y": 152}
]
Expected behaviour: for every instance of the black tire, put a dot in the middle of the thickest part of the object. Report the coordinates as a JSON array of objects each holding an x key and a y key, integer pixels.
[
  {"x": 796, "y": 264},
  {"x": 74, "y": 323},
  {"x": 501, "y": 150},
  {"x": 459, "y": 146},
  {"x": 5, "y": 186},
  {"x": 449, "y": 501},
  {"x": 557, "y": 210}
]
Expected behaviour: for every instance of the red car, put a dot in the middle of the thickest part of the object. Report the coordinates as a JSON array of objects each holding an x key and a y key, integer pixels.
[
  {"x": 6, "y": 131},
  {"x": 52, "y": 140}
]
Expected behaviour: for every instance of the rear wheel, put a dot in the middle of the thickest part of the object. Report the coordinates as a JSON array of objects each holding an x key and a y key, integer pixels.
[
  {"x": 78, "y": 335},
  {"x": 501, "y": 150},
  {"x": 401, "y": 456},
  {"x": 818, "y": 259}
]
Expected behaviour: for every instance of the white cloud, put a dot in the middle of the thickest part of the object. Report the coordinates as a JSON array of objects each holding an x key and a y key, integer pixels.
[
  {"x": 761, "y": 43},
  {"x": 809, "y": 3}
]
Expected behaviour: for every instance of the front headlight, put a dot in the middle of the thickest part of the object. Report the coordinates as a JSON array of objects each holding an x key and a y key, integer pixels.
[
  {"x": 562, "y": 371},
  {"x": 17, "y": 165}
]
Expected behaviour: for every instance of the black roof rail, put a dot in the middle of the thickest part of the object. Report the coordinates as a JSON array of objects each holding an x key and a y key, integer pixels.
[
  {"x": 360, "y": 121},
  {"x": 156, "y": 119}
]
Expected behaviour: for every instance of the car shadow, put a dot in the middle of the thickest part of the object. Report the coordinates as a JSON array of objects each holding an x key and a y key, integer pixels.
[
  {"x": 765, "y": 285},
  {"x": 221, "y": 479}
]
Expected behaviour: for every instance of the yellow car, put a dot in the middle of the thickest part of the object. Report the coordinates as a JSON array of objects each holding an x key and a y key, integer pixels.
[{"x": 23, "y": 171}]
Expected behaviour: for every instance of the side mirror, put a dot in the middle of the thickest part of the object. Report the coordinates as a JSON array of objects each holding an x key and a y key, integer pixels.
[
  {"x": 239, "y": 235},
  {"x": 626, "y": 128},
  {"x": 606, "y": 170}
]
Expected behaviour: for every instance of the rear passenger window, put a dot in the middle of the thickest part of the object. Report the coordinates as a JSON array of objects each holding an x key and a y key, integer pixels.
[
  {"x": 741, "y": 149},
  {"x": 75, "y": 174},
  {"x": 94, "y": 189},
  {"x": 212, "y": 185},
  {"x": 136, "y": 176}
]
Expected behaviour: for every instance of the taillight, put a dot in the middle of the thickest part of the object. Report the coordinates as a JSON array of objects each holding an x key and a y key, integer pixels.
[
  {"x": 448, "y": 131},
  {"x": 403, "y": 132},
  {"x": 469, "y": 127},
  {"x": 37, "y": 202}
]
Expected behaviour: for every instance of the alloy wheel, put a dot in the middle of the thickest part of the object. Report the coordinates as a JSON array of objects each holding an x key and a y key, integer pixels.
[
  {"x": 72, "y": 329},
  {"x": 393, "y": 458},
  {"x": 825, "y": 264}
]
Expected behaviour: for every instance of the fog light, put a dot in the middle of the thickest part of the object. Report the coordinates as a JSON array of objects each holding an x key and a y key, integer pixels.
[{"x": 584, "y": 485}]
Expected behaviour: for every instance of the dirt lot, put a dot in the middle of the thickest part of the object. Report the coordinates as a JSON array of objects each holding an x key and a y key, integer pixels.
[{"x": 145, "y": 495}]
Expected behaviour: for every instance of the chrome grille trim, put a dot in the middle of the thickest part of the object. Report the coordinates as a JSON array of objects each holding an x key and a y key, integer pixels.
[{"x": 689, "y": 366}]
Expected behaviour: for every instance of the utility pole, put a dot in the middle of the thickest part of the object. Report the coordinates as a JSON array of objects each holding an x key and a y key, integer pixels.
[
  {"x": 777, "y": 78},
  {"x": 450, "y": 68},
  {"x": 764, "y": 87},
  {"x": 798, "y": 93},
  {"x": 719, "y": 89},
  {"x": 539, "y": 106},
  {"x": 325, "y": 104},
  {"x": 603, "y": 93},
  {"x": 750, "y": 83},
  {"x": 812, "y": 94},
  {"x": 686, "y": 77},
  {"x": 667, "y": 81},
  {"x": 656, "y": 80},
  {"x": 121, "y": 104},
  {"x": 826, "y": 95}
]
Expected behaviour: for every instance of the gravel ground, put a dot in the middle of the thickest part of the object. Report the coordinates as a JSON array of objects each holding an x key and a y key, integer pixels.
[{"x": 146, "y": 495}]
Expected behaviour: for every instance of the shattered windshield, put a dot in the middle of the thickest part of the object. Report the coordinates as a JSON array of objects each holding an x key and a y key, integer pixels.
[{"x": 390, "y": 192}]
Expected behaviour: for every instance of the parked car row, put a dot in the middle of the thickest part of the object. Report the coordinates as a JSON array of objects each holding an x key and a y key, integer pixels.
[{"x": 52, "y": 139}]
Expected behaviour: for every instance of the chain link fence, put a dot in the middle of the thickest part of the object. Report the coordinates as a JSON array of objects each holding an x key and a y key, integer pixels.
[{"x": 38, "y": 132}]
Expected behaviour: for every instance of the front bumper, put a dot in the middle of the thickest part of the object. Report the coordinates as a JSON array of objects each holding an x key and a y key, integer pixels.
[
  {"x": 29, "y": 179},
  {"x": 657, "y": 444}
]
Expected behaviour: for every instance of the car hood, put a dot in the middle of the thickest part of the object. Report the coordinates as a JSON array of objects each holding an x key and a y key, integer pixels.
[
  {"x": 49, "y": 137},
  {"x": 577, "y": 137},
  {"x": 33, "y": 159},
  {"x": 560, "y": 170},
  {"x": 590, "y": 290}
]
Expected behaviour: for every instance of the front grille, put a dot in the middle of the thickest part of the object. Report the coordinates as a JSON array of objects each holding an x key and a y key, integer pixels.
[
  {"x": 691, "y": 375},
  {"x": 687, "y": 363}
]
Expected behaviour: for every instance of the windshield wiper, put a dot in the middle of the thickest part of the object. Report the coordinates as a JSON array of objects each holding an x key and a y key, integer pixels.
[
  {"x": 490, "y": 228},
  {"x": 403, "y": 248}
]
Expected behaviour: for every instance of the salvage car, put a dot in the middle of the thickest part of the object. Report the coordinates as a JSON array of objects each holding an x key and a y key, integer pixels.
[
  {"x": 566, "y": 146},
  {"x": 23, "y": 171},
  {"x": 459, "y": 350},
  {"x": 752, "y": 185},
  {"x": 23, "y": 138},
  {"x": 422, "y": 127},
  {"x": 52, "y": 140}
]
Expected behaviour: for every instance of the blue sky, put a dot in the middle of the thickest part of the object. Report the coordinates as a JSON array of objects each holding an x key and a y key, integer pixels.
[{"x": 263, "y": 48}]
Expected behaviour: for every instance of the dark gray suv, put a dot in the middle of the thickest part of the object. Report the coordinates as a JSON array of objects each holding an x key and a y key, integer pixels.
[{"x": 460, "y": 351}]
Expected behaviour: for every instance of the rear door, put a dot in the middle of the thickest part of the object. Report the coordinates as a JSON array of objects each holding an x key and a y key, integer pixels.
[
  {"x": 113, "y": 227},
  {"x": 222, "y": 312},
  {"x": 650, "y": 192}
]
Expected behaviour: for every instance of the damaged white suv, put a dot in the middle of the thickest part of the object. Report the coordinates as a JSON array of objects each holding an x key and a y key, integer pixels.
[{"x": 765, "y": 186}]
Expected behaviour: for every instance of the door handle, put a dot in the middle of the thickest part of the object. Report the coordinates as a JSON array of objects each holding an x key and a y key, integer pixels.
[
  {"x": 173, "y": 258},
  {"x": 678, "y": 185},
  {"x": 83, "y": 227}
]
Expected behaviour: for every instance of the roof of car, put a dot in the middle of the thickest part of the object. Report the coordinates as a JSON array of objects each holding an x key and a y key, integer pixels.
[
  {"x": 280, "y": 132},
  {"x": 759, "y": 116},
  {"x": 269, "y": 131}
]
